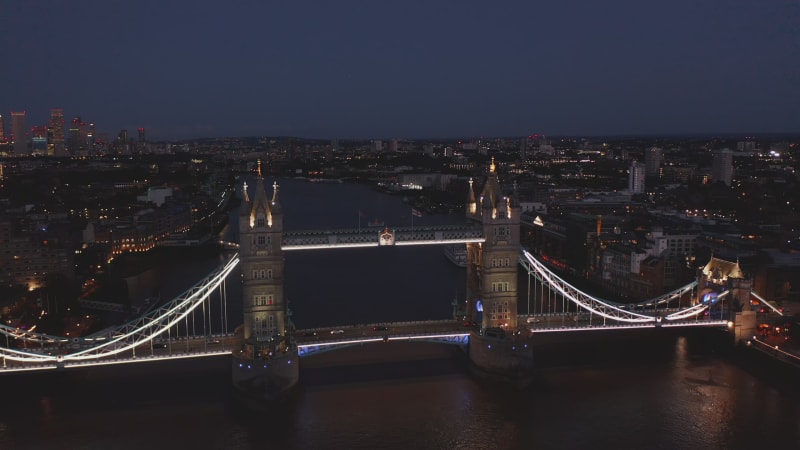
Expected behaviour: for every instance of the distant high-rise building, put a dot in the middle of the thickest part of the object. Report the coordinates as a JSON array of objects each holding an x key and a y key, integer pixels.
[
  {"x": 722, "y": 167},
  {"x": 122, "y": 142},
  {"x": 90, "y": 138},
  {"x": 377, "y": 146},
  {"x": 746, "y": 146},
  {"x": 142, "y": 140},
  {"x": 55, "y": 133},
  {"x": 636, "y": 178},
  {"x": 74, "y": 142},
  {"x": 4, "y": 147},
  {"x": 39, "y": 140},
  {"x": 653, "y": 158},
  {"x": 19, "y": 133}
]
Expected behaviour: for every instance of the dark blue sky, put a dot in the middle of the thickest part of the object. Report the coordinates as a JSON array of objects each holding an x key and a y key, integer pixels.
[{"x": 381, "y": 69}]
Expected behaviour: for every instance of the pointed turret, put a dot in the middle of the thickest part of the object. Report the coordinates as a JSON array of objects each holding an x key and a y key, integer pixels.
[
  {"x": 472, "y": 203},
  {"x": 491, "y": 196},
  {"x": 275, "y": 204}
]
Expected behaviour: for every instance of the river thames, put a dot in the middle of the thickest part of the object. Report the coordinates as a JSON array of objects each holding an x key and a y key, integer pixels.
[{"x": 666, "y": 391}]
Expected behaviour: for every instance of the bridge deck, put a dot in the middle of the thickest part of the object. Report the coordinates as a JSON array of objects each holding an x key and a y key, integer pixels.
[{"x": 316, "y": 340}]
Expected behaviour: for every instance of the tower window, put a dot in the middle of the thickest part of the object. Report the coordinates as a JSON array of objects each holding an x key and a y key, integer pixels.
[{"x": 260, "y": 222}]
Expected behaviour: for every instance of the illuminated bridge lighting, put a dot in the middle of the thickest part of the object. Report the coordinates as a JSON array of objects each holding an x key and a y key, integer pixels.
[{"x": 105, "y": 347}]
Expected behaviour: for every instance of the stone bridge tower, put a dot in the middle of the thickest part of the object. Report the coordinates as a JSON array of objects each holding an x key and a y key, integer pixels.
[
  {"x": 266, "y": 363},
  {"x": 492, "y": 265},
  {"x": 719, "y": 275}
]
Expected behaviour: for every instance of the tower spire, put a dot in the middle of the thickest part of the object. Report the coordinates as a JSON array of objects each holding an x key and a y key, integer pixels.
[
  {"x": 491, "y": 166},
  {"x": 259, "y": 168},
  {"x": 275, "y": 194}
]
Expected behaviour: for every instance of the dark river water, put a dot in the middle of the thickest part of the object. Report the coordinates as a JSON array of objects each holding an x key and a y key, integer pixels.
[{"x": 670, "y": 391}]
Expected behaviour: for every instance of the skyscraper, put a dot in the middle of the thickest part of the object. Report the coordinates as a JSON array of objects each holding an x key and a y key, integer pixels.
[
  {"x": 4, "y": 147},
  {"x": 55, "y": 132},
  {"x": 653, "y": 158},
  {"x": 636, "y": 178},
  {"x": 19, "y": 133},
  {"x": 142, "y": 140},
  {"x": 90, "y": 138},
  {"x": 39, "y": 140},
  {"x": 122, "y": 142},
  {"x": 722, "y": 167},
  {"x": 74, "y": 143}
]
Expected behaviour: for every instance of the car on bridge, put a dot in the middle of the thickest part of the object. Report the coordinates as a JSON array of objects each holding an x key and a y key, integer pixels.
[
  {"x": 337, "y": 331},
  {"x": 380, "y": 328}
]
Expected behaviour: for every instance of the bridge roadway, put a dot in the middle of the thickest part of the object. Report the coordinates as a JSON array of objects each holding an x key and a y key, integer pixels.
[{"x": 320, "y": 339}]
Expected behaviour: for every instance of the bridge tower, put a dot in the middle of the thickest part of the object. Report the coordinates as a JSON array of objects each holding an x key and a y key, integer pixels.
[
  {"x": 266, "y": 364},
  {"x": 500, "y": 348},
  {"x": 492, "y": 265},
  {"x": 719, "y": 275}
]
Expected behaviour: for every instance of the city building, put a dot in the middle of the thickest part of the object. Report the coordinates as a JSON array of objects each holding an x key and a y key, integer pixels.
[
  {"x": 19, "y": 133},
  {"x": 55, "y": 133},
  {"x": 722, "y": 167},
  {"x": 636, "y": 177},
  {"x": 653, "y": 159},
  {"x": 39, "y": 140},
  {"x": 157, "y": 195},
  {"x": 26, "y": 260},
  {"x": 122, "y": 142},
  {"x": 78, "y": 137},
  {"x": 142, "y": 141}
]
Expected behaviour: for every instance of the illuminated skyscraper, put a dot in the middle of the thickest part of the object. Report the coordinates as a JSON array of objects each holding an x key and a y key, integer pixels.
[
  {"x": 19, "y": 133},
  {"x": 55, "y": 133},
  {"x": 142, "y": 140}
]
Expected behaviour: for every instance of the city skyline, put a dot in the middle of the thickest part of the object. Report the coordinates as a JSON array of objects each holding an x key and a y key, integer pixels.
[{"x": 407, "y": 71}]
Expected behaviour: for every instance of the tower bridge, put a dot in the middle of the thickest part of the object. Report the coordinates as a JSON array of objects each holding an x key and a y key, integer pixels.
[{"x": 266, "y": 348}]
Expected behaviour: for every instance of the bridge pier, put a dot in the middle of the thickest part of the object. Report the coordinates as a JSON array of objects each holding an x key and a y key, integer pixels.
[
  {"x": 508, "y": 358},
  {"x": 745, "y": 325},
  {"x": 265, "y": 379}
]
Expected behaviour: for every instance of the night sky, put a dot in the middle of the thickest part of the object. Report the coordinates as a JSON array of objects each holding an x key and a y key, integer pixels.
[{"x": 407, "y": 69}]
